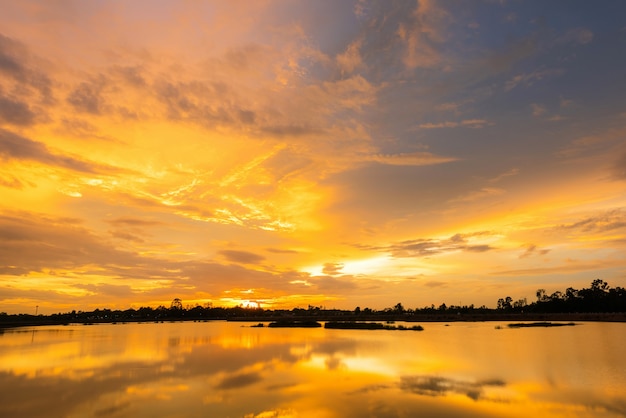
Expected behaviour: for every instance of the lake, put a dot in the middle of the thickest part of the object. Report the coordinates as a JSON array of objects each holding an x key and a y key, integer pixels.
[{"x": 230, "y": 369}]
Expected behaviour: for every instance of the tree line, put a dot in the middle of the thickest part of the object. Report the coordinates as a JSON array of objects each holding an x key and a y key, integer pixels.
[{"x": 598, "y": 298}]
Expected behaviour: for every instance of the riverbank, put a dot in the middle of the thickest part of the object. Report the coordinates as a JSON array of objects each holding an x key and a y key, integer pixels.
[
  {"x": 347, "y": 317},
  {"x": 477, "y": 317}
]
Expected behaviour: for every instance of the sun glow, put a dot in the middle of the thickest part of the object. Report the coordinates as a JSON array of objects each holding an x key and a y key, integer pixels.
[{"x": 369, "y": 266}]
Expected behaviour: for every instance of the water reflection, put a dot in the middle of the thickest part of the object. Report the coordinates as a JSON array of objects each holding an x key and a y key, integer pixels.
[
  {"x": 437, "y": 386},
  {"x": 222, "y": 369}
]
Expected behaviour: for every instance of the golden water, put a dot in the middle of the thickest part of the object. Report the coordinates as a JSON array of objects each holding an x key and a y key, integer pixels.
[{"x": 226, "y": 369}]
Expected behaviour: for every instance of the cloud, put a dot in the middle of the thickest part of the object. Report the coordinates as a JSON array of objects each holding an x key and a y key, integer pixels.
[
  {"x": 396, "y": 39},
  {"x": 572, "y": 267},
  {"x": 131, "y": 229},
  {"x": 581, "y": 36},
  {"x": 254, "y": 106},
  {"x": 243, "y": 257},
  {"x": 434, "y": 283},
  {"x": 533, "y": 250},
  {"x": 16, "y": 147},
  {"x": 510, "y": 173},
  {"x": 107, "y": 289},
  {"x": 328, "y": 285},
  {"x": 10, "y": 53},
  {"x": 282, "y": 251},
  {"x": 194, "y": 100},
  {"x": 132, "y": 75},
  {"x": 410, "y": 159},
  {"x": 422, "y": 33},
  {"x": 13, "y": 146},
  {"x": 423, "y": 247},
  {"x": 438, "y": 125},
  {"x": 35, "y": 242},
  {"x": 528, "y": 79},
  {"x": 595, "y": 144},
  {"x": 513, "y": 52},
  {"x": 468, "y": 123},
  {"x": 207, "y": 95},
  {"x": 87, "y": 97},
  {"x": 538, "y": 110},
  {"x": 291, "y": 131},
  {"x": 454, "y": 107},
  {"x": 130, "y": 221},
  {"x": 244, "y": 59},
  {"x": 483, "y": 193},
  {"x": 332, "y": 269},
  {"x": 350, "y": 59},
  {"x": 17, "y": 63},
  {"x": 15, "y": 112},
  {"x": 12, "y": 182},
  {"x": 83, "y": 129},
  {"x": 608, "y": 221},
  {"x": 127, "y": 236},
  {"x": 618, "y": 168},
  {"x": 63, "y": 248}
]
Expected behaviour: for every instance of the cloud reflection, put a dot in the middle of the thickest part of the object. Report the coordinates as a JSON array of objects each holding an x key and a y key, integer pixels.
[
  {"x": 224, "y": 369},
  {"x": 440, "y": 386},
  {"x": 239, "y": 380}
]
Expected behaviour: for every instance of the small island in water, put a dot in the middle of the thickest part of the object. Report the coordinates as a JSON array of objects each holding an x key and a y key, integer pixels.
[
  {"x": 340, "y": 325},
  {"x": 370, "y": 326},
  {"x": 541, "y": 324},
  {"x": 294, "y": 324}
]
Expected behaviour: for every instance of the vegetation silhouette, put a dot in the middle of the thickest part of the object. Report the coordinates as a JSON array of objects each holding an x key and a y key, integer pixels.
[
  {"x": 599, "y": 297},
  {"x": 541, "y": 324},
  {"x": 295, "y": 324},
  {"x": 369, "y": 326},
  {"x": 598, "y": 302}
]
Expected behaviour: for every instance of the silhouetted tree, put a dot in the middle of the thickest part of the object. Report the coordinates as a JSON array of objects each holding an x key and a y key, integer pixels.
[
  {"x": 541, "y": 295},
  {"x": 505, "y": 304},
  {"x": 520, "y": 303}
]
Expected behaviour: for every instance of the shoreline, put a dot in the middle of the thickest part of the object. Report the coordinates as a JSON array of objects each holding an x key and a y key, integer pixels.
[
  {"x": 349, "y": 317},
  {"x": 513, "y": 317}
]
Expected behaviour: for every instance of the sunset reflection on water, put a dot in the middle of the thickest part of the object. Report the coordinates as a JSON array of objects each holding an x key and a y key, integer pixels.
[{"x": 225, "y": 369}]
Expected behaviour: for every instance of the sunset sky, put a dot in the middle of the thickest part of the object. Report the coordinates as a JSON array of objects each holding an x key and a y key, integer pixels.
[{"x": 322, "y": 152}]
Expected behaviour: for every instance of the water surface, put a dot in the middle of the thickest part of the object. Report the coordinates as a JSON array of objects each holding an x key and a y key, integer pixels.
[{"x": 228, "y": 369}]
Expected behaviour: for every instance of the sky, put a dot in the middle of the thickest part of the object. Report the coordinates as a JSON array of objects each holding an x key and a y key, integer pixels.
[{"x": 317, "y": 152}]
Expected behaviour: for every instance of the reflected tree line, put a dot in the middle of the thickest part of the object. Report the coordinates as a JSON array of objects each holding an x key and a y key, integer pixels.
[{"x": 598, "y": 298}]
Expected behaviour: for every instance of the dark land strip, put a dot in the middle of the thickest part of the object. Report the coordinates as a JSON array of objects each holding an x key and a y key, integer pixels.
[{"x": 346, "y": 318}]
